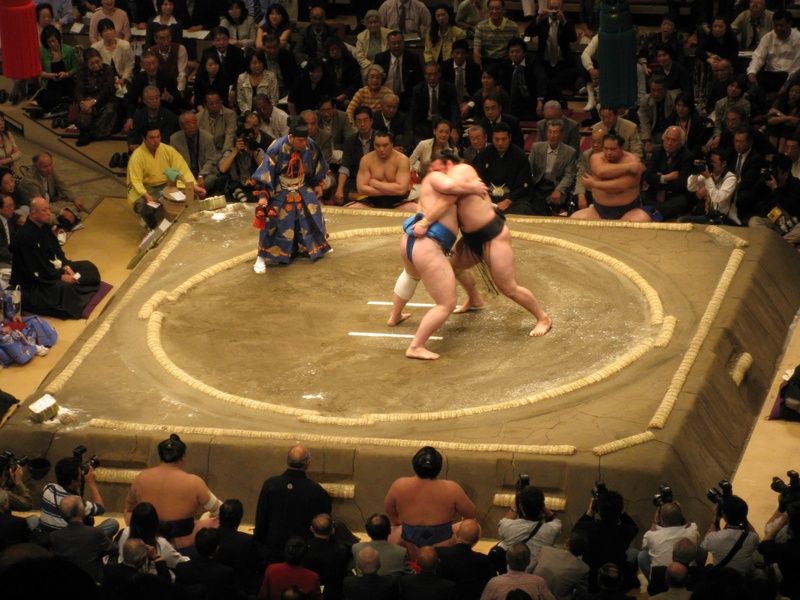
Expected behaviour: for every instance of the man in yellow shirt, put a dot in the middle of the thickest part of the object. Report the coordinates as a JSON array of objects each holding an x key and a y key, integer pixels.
[{"x": 146, "y": 176}]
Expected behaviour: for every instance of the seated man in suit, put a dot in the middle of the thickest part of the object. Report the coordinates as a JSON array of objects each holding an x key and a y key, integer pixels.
[
  {"x": 219, "y": 121},
  {"x": 403, "y": 68},
  {"x": 152, "y": 115},
  {"x": 462, "y": 72},
  {"x": 231, "y": 58},
  {"x": 369, "y": 584},
  {"x": 172, "y": 57},
  {"x": 747, "y": 168},
  {"x": 625, "y": 129},
  {"x": 389, "y": 118},
  {"x": 553, "y": 168},
  {"x": 494, "y": 116},
  {"x": 555, "y": 34},
  {"x": 355, "y": 147},
  {"x": 204, "y": 572},
  {"x": 570, "y": 132},
  {"x": 52, "y": 285},
  {"x": 470, "y": 570},
  {"x": 43, "y": 180},
  {"x": 335, "y": 122},
  {"x": 393, "y": 558},
  {"x": 239, "y": 550},
  {"x": 198, "y": 150},
  {"x": 8, "y": 228},
  {"x": 432, "y": 98},
  {"x": 427, "y": 585},
  {"x": 655, "y": 110},
  {"x": 150, "y": 75},
  {"x": 667, "y": 174},
  {"x": 505, "y": 170},
  {"x": 525, "y": 81}
]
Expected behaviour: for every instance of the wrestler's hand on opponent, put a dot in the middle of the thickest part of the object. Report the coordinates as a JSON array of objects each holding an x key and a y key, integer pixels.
[{"x": 421, "y": 228}]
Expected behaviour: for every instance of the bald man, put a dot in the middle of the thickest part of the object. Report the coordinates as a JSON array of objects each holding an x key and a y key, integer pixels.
[
  {"x": 470, "y": 570},
  {"x": 427, "y": 584},
  {"x": 81, "y": 544},
  {"x": 287, "y": 504},
  {"x": 368, "y": 584},
  {"x": 52, "y": 285}
]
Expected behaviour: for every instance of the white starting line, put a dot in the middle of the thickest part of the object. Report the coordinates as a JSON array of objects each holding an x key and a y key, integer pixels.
[
  {"x": 387, "y": 335},
  {"x": 411, "y": 304}
]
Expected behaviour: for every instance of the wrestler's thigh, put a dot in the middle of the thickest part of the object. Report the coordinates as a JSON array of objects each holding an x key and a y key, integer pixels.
[
  {"x": 462, "y": 258},
  {"x": 637, "y": 215},
  {"x": 590, "y": 212},
  {"x": 407, "y": 264},
  {"x": 435, "y": 271},
  {"x": 500, "y": 258}
]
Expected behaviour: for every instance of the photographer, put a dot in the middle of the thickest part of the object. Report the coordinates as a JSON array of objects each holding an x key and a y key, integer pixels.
[
  {"x": 735, "y": 545},
  {"x": 715, "y": 188},
  {"x": 780, "y": 211},
  {"x": 19, "y": 497},
  {"x": 238, "y": 165},
  {"x": 668, "y": 527},
  {"x": 73, "y": 478},
  {"x": 529, "y": 522},
  {"x": 785, "y": 553},
  {"x": 610, "y": 531}
]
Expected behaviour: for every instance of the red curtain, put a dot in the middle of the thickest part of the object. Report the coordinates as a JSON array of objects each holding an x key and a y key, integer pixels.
[{"x": 20, "y": 39}]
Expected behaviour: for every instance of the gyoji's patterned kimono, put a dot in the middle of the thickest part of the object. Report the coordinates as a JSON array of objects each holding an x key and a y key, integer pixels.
[{"x": 297, "y": 229}]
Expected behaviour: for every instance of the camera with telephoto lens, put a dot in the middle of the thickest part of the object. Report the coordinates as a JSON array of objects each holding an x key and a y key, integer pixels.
[
  {"x": 699, "y": 166},
  {"x": 9, "y": 462},
  {"x": 718, "y": 496},
  {"x": 246, "y": 135},
  {"x": 664, "y": 495},
  {"x": 767, "y": 173},
  {"x": 92, "y": 463},
  {"x": 788, "y": 492}
]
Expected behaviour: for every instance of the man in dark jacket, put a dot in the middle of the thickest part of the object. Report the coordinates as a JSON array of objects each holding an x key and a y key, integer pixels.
[{"x": 287, "y": 504}]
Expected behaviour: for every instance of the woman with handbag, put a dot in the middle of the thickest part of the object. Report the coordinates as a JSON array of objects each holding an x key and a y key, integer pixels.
[{"x": 96, "y": 99}]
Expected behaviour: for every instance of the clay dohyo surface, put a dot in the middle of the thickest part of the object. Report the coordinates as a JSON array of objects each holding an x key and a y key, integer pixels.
[{"x": 283, "y": 338}]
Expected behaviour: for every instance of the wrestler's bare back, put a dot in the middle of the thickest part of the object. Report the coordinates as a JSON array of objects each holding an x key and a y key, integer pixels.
[
  {"x": 629, "y": 182},
  {"x": 418, "y": 501},
  {"x": 474, "y": 210}
]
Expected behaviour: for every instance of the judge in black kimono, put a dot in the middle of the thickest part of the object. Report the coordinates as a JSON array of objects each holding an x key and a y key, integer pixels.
[{"x": 51, "y": 284}]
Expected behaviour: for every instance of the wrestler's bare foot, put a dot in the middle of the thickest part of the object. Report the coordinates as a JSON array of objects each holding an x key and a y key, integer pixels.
[
  {"x": 467, "y": 307},
  {"x": 394, "y": 320},
  {"x": 543, "y": 325},
  {"x": 421, "y": 353}
]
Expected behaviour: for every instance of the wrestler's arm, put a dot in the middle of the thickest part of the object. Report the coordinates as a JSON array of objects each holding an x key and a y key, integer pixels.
[
  {"x": 603, "y": 169},
  {"x": 402, "y": 183},
  {"x": 468, "y": 182},
  {"x": 463, "y": 505},
  {"x": 362, "y": 179},
  {"x": 390, "y": 505},
  {"x": 619, "y": 184}
]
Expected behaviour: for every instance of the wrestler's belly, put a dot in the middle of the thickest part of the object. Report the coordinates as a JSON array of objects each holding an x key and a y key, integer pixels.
[
  {"x": 615, "y": 199},
  {"x": 472, "y": 215}
]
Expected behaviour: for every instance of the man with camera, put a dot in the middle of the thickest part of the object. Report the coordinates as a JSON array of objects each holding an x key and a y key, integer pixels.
[
  {"x": 610, "y": 531},
  {"x": 781, "y": 543},
  {"x": 668, "y": 527},
  {"x": 735, "y": 545},
  {"x": 713, "y": 184},
  {"x": 73, "y": 478},
  {"x": 780, "y": 209},
  {"x": 11, "y": 472},
  {"x": 529, "y": 521},
  {"x": 238, "y": 164}
]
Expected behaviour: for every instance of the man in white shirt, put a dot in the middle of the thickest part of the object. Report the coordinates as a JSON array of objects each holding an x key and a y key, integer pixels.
[
  {"x": 777, "y": 56},
  {"x": 274, "y": 121},
  {"x": 668, "y": 527},
  {"x": 406, "y": 16}
]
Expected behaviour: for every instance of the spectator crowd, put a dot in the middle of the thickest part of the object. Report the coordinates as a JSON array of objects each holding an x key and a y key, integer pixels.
[
  {"x": 179, "y": 541},
  {"x": 714, "y": 128}
]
